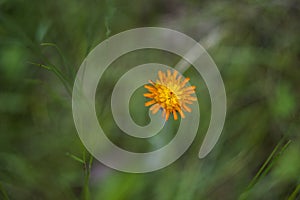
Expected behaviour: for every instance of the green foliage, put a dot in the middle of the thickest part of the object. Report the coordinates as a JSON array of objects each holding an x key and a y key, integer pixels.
[{"x": 42, "y": 44}]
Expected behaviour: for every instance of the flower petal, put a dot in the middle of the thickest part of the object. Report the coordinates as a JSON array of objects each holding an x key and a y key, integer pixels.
[{"x": 149, "y": 103}]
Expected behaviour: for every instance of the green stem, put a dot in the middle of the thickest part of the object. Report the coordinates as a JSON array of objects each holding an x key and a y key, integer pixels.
[{"x": 87, "y": 173}]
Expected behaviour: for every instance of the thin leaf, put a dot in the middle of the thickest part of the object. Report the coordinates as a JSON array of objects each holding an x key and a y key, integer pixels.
[
  {"x": 64, "y": 60},
  {"x": 58, "y": 73},
  {"x": 41, "y": 65},
  {"x": 75, "y": 157}
]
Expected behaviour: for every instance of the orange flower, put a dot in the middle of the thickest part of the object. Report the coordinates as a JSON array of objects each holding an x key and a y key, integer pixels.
[{"x": 170, "y": 94}]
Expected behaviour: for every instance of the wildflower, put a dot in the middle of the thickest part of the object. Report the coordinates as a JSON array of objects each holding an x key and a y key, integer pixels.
[{"x": 170, "y": 94}]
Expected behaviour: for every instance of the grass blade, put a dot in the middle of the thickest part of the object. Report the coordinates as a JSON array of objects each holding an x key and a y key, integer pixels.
[
  {"x": 260, "y": 171},
  {"x": 293, "y": 196},
  {"x": 3, "y": 192},
  {"x": 266, "y": 167}
]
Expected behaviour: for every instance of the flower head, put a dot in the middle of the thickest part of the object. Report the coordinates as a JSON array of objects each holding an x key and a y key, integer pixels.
[{"x": 170, "y": 94}]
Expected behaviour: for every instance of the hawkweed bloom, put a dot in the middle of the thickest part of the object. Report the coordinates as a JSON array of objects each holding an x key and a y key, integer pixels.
[{"x": 170, "y": 94}]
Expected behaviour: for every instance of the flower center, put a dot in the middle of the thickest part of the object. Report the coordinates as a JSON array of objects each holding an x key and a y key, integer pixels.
[{"x": 166, "y": 97}]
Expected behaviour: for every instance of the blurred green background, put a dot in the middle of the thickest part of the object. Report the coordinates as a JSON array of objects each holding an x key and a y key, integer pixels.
[{"x": 255, "y": 44}]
